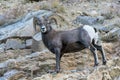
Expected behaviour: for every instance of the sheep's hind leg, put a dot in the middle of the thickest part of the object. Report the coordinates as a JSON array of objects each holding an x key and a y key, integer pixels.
[
  {"x": 100, "y": 48},
  {"x": 94, "y": 51}
]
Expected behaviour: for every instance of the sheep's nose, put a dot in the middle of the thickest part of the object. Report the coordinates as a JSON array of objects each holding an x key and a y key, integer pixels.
[{"x": 43, "y": 28}]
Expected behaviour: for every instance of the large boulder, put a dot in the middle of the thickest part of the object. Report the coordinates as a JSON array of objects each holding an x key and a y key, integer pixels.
[{"x": 22, "y": 28}]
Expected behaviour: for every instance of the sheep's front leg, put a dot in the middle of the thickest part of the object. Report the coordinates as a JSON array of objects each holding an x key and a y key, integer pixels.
[{"x": 57, "y": 52}]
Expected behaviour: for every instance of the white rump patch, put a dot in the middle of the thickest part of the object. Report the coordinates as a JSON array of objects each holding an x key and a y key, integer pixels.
[{"x": 91, "y": 32}]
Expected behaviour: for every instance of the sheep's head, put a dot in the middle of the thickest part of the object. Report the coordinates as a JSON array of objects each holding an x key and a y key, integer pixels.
[{"x": 44, "y": 23}]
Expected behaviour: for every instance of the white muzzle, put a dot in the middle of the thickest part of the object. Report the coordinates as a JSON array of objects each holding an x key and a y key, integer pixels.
[{"x": 43, "y": 29}]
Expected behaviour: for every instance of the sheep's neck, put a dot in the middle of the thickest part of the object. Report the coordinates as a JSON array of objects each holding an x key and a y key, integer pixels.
[{"x": 48, "y": 36}]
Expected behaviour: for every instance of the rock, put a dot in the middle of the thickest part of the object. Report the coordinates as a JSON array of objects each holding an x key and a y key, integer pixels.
[
  {"x": 116, "y": 9},
  {"x": 96, "y": 22},
  {"x": 18, "y": 29},
  {"x": 2, "y": 78},
  {"x": 44, "y": 77},
  {"x": 106, "y": 75},
  {"x": 2, "y": 47},
  {"x": 110, "y": 11},
  {"x": 27, "y": 30},
  {"x": 37, "y": 36},
  {"x": 14, "y": 44},
  {"x": 37, "y": 44},
  {"x": 93, "y": 13},
  {"x": 112, "y": 35},
  {"x": 13, "y": 75},
  {"x": 96, "y": 75},
  {"x": 88, "y": 20},
  {"x": 34, "y": 54},
  {"x": 45, "y": 66},
  {"x": 2, "y": 20},
  {"x": 114, "y": 72},
  {"x": 61, "y": 76},
  {"x": 14, "y": 63},
  {"x": 29, "y": 43},
  {"x": 11, "y": 63},
  {"x": 22, "y": 28}
]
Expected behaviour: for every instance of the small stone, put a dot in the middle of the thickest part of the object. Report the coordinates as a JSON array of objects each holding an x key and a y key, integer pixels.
[
  {"x": 94, "y": 13},
  {"x": 29, "y": 43}
]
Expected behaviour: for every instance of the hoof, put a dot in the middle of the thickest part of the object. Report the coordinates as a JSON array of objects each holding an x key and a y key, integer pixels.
[
  {"x": 96, "y": 64},
  {"x": 57, "y": 70},
  {"x": 104, "y": 62},
  {"x": 53, "y": 71}
]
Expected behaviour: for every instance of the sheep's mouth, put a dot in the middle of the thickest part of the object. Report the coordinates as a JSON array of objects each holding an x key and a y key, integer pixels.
[{"x": 43, "y": 29}]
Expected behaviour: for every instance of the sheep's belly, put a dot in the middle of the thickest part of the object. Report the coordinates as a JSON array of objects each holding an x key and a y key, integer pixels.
[{"x": 73, "y": 47}]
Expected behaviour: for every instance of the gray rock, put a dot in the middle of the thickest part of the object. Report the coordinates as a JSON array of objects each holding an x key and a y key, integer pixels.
[
  {"x": 14, "y": 44},
  {"x": 37, "y": 44},
  {"x": 96, "y": 22},
  {"x": 37, "y": 36},
  {"x": 112, "y": 35},
  {"x": 10, "y": 75},
  {"x": 29, "y": 43},
  {"x": 27, "y": 29},
  {"x": 18, "y": 29},
  {"x": 8, "y": 64},
  {"x": 23, "y": 28},
  {"x": 88, "y": 20},
  {"x": 2, "y": 47},
  {"x": 2, "y": 78},
  {"x": 2, "y": 20}
]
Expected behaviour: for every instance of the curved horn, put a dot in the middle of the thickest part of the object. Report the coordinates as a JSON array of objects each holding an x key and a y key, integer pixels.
[{"x": 34, "y": 23}]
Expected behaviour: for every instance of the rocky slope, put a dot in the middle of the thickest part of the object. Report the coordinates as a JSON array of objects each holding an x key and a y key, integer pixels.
[{"x": 18, "y": 63}]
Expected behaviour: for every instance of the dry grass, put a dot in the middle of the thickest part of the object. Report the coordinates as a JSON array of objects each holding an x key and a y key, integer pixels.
[{"x": 54, "y": 6}]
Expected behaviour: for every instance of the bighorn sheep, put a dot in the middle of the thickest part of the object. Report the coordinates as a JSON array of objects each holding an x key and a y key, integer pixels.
[{"x": 60, "y": 42}]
